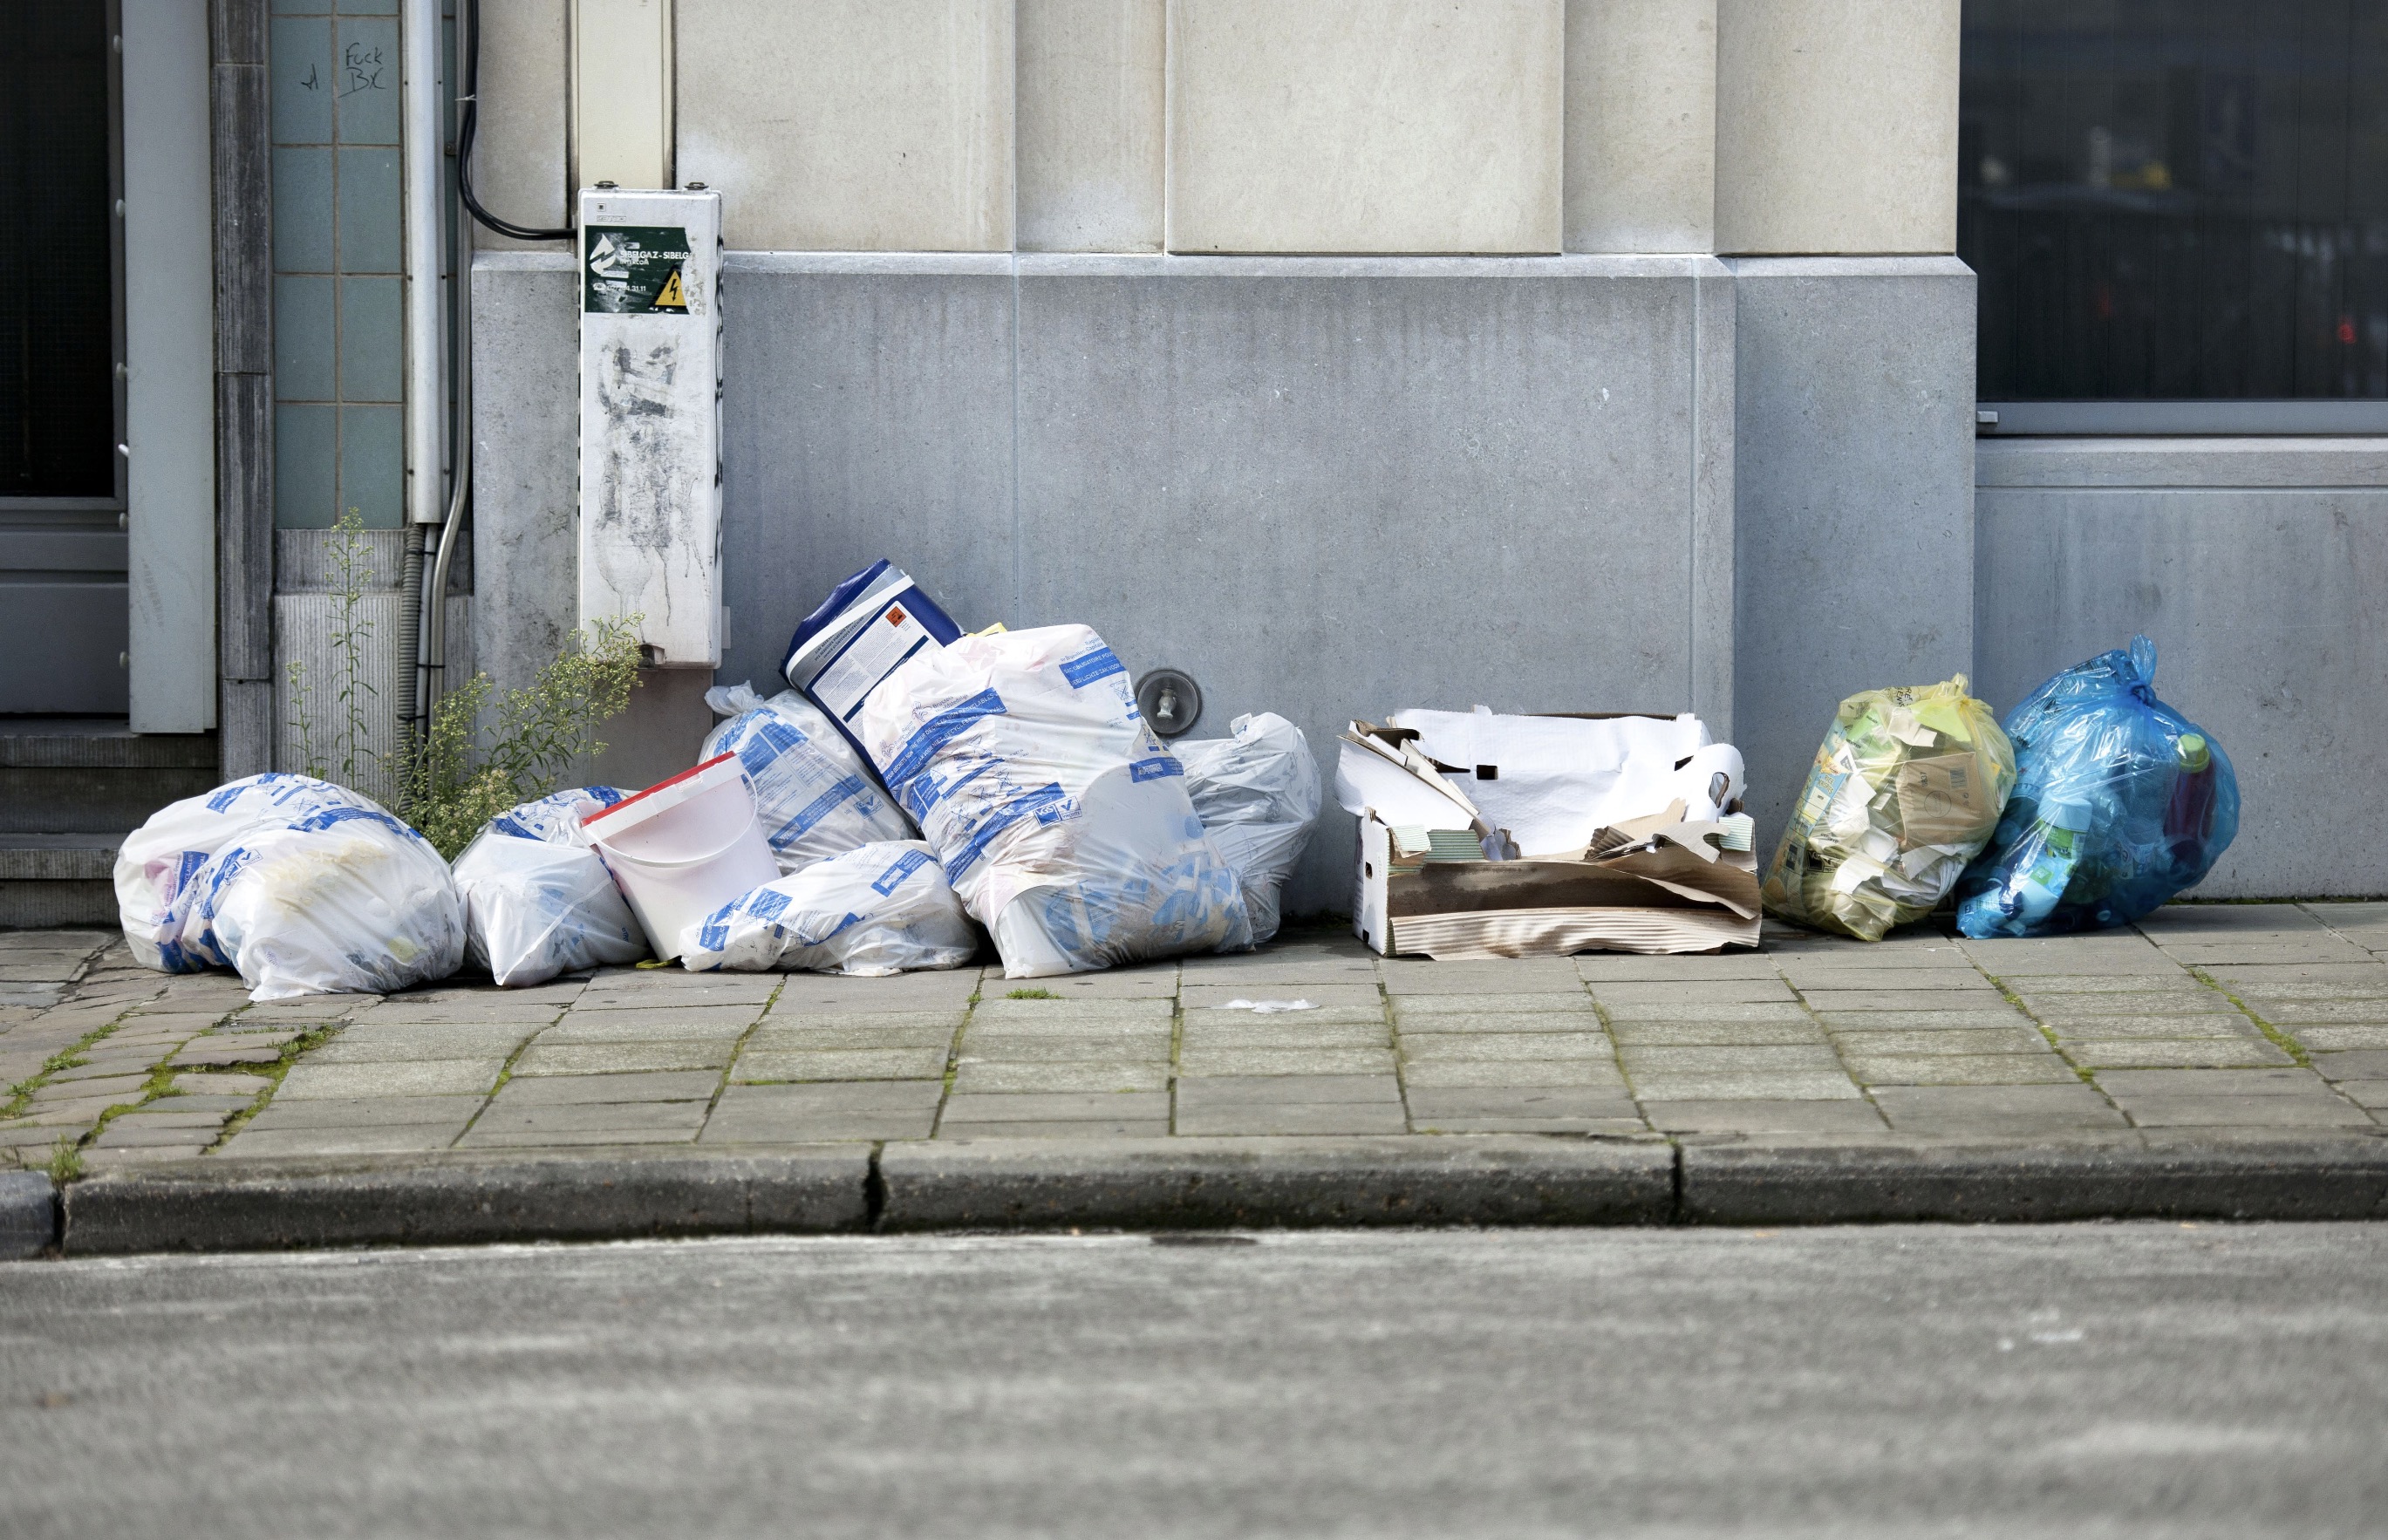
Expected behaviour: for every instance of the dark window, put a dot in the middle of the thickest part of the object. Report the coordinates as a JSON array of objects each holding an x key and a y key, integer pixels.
[
  {"x": 2177, "y": 199},
  {"x": 57, "y": 393}
]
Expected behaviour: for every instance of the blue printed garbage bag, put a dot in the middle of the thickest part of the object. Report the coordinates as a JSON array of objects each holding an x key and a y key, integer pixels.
[
  {"x": 1257, "y": 794},
  {"x": 537, "y": 901},
  {"x": 2120, "y": 802},
  {"x": 1059, "y": 818},
  {"x": 812, "y": 791},
  {"x": 882, "y": 909},
  {"x": 304, "y": 887}
]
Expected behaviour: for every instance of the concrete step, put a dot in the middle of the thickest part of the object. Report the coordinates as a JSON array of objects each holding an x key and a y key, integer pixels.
[
  {"x": 61, "y": 776},
  {"x": 63, "y": 878}
]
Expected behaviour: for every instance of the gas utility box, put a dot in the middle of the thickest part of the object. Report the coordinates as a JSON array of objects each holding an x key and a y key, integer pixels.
[{"x": 650, "y": 273}]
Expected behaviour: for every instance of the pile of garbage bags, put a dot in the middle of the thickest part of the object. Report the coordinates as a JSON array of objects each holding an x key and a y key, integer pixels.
[
  {"x": 2092, "y": 804},
  {"x": 919, "y": 791},
  {"x": 922, "y": 792}
]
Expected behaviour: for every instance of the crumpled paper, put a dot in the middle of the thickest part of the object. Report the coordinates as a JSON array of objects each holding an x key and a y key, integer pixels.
[{"x": 1906, "y": 788}]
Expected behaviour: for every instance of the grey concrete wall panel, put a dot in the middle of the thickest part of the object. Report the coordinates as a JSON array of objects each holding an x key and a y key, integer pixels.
[
  {"x": 2254, "y": 564},
  {"x": 1326, "y": 486},
  {"x": 525, "y": 460},
  {"x": 1336, "y": 489},
  {"x": 1853, "y": 445},
  {"x": 867, "y": 412}
]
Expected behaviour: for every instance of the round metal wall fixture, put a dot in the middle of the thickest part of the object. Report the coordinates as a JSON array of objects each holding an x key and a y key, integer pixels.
[{"x": 1172, "y": 701}]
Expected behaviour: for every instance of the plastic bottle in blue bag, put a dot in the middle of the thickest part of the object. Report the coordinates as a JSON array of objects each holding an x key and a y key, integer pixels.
[{"x": 2119, "y": 803}]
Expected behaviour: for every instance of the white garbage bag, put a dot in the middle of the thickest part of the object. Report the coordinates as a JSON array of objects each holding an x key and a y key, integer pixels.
[
  {"x": 1060, "y": 819},
  {"x": 882, "y": 909},
  {"x": 308, "y": 889},
  {"x": 1257, "y": 794},
  {"x": 814, "y": 795},
  {"x": 157, "y": 864},
  {"x": 537, "y": 901}
]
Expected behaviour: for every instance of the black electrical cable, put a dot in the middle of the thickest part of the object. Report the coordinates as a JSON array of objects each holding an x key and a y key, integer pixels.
[{"x": 464, "y": 132}]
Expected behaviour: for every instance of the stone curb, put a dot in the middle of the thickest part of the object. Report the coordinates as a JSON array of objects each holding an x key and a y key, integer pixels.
[
  {"x": 29, "y": 1214},
  {"x": 581, "y": 1196},
  {"x": 1269, "y": 1183},
  {"x": 1181, "y": 1183},
  {"x": 1802, "y": 1182}
]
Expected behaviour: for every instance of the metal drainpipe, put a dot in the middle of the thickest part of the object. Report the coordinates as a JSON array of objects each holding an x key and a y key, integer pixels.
[
  {"x": 460, "y": 424},
  {"x": 425, "y": 403}
]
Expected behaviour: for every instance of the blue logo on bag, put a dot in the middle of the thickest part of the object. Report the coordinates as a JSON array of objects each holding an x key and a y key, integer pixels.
[
  {"x": 818, "y": 809},
  {"x": 315, "y": 823},
  {"x": 1048, "y": 803},
  {"x": 940, "y": 730},
  {"x": 1155, "y": 768},
  {"x": 1101, "y": 664},
  {"x": 906, "y": 864}
]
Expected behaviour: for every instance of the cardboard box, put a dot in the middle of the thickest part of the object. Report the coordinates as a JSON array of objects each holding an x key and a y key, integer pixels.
[{"x": 1651, "y": 885}]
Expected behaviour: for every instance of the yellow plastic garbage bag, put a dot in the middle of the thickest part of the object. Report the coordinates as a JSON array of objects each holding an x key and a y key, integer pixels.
[{"x": 1906, "y": 789}]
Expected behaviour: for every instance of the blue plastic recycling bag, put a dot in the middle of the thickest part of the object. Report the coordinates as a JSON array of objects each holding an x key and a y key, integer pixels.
[{"x": 2120, "y": 802}]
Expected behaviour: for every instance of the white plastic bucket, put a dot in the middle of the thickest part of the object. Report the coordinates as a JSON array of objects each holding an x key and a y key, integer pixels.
[{"x": 683, "y": 848}]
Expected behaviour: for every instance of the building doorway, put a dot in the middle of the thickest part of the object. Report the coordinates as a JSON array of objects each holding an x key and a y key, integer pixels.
[{"x": 63, "y": 596}]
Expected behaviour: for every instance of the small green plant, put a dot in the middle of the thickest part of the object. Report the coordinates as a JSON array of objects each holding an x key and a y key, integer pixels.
[
  {"x": 66, "y": 1160},
  {"x": 455, "y": 775},
  {"x": 351, "y": 560},
  {"x": 455, "y": 778},
  {"x": 1031, "y": 994}
]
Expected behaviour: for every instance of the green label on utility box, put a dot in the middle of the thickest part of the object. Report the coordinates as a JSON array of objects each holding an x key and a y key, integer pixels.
[{"x": 633, "y": 268}]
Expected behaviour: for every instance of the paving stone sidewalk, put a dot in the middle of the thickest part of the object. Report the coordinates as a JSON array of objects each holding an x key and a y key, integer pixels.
[{"x": 2221, "y": 1021}]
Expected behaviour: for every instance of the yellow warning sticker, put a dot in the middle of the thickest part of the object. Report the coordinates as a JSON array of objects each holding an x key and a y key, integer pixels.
[{"x": 670, "y": 297}]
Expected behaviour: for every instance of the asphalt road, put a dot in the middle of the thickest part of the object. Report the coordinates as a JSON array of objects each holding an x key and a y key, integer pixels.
[{"x": 2097, "y": 1380}]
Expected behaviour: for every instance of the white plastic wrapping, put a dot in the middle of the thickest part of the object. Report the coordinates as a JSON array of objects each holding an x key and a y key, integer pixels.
[
  {"x": 1060, "y": 819},
  {"x": 537, "y": 901},
  {"x": 815, "y": 797},
  {"x": 1554, "y": 781},
  {"x": 304, "y": 887},
  {"x": 1257, "y": 794},
  {"x": 884, "y": 908}
]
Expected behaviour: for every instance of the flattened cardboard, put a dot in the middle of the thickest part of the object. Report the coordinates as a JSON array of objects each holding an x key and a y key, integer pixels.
[{"x": 1651, "y": 900}]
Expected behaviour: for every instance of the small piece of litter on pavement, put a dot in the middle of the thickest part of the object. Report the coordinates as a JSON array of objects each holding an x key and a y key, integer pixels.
[{"x": 1269, "y": 1007}]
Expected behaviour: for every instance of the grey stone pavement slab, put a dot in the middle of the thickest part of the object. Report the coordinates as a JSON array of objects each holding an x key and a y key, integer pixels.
[{"x": 2232, "y": 1026}]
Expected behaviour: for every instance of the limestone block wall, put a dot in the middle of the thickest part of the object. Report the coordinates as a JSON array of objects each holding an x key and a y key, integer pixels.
[
  {"x": 1739, "y": 127},
  {"x": 1836, "y": 126}
]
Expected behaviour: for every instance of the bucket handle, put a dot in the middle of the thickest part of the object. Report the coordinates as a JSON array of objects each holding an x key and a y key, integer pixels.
[{"x": 691, "y": 861}]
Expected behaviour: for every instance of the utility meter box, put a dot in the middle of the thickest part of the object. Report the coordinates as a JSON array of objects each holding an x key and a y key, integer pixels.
[{"x": 650, "y": 418}]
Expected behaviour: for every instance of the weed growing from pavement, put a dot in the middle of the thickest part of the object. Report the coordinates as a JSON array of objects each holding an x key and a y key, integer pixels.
[
  {"x": 455, "y": 778},
  {"x": 314, "y": 1037},
  {"x": 66, "y": 1160},
  {"x": 2281, "y": 1040},
  {"x": 1031, "y": 994},
  {"x": 2045, "y": 1030},
  {"x": 737, "y": 1048},
  {"x": 350, "y": 555},
  {"x": 450, "y": 776},
  {"x": 21, "y": 1093},
  {"x": 159, "y": 1083}
]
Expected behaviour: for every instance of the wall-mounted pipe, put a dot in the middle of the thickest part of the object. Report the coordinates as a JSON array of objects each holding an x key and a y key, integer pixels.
[{"x": 426, "y": 403}]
